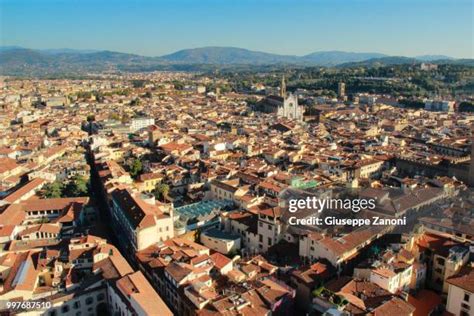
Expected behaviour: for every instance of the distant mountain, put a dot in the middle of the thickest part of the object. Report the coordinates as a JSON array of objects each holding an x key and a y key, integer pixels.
[
  {"x": 232, "y": 55},
  {"x": 5, "y": 48},
  {"x": 400, "y": 60},
  {"x": 433, "y": 57},
  {"x": 10, "y": 57},
  {"x": 338, "y": 57},
  {"x": 69, "y": 51},
  {"x": 464, "y": 62},
  {"x": 22, "y": 61},
  {"x": 383, "y": 61},
  {"x": 227, "y": 55}
]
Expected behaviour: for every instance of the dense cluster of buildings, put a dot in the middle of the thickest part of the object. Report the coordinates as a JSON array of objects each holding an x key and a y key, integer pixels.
[{"x": 185, "y": 211}]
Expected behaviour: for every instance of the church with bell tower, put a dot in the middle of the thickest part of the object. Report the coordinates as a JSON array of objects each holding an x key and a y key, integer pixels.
[
  {"x": 284, "y": 105},
  {"x": 290, "y": 108}
]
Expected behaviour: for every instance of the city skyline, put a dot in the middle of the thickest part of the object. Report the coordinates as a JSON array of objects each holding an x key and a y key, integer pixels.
[
  {"x": 236, "y": 157},
  {"x": 279, "y": 27}
]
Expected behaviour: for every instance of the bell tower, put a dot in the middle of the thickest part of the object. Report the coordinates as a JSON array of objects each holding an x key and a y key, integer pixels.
[{"x": 283, "y": 87}]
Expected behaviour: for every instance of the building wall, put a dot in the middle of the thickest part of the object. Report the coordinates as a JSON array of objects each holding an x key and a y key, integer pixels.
[
  {"x": 249, "y": 240},
  {"x": 220, "y": 245},
  {"x": 313, "y": 250},
  {"x": 443, "y": 268},
  {"x": 117, "y": 305},
  {"x": 367, "y": 170},
  {"x": 141, "y": 123},
  {"x": 270, "y": 232},
  {"x": 388, "y": 283},
  {"x": 163, "y": 230},
  {"x": 85, "y": 304},
  {"x": 220, "y": 193},
  {"x": 457, "y": 303}
]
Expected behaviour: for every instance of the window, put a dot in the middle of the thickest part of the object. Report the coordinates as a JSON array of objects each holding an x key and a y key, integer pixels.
[
  {"x": 465, "y": 306},
  {"x": 77, "y": 305},
  {"x": 89, "y": 300},
  {"x": 260, "y": 238},
  {"x": 65, "y": 309},
  {"x": 260, "y": 224},
  {"x": 269, "y": 226},
  {"x": 52, "y": 313},
  {"x": 269, "y": 241},
  {"x": 467, "y": 296},
  {"x": 100, "y": 297}
]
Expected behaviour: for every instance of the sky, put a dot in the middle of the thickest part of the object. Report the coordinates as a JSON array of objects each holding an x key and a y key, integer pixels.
[{"x": 296, "y": 27}]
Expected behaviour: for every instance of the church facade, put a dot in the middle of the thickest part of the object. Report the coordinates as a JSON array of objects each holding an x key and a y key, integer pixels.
[
  {"x": 290, "y": 108},
  {"x": 285, "y": 105}
]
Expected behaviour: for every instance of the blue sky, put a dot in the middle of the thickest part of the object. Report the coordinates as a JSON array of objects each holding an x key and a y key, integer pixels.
[{"x": 153, "y": 28}]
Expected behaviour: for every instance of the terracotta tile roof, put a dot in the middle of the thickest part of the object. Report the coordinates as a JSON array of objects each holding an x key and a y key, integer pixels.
[
  {"x": 42, "y": 228},
  {"x": 424, "y": 302},
  {"x": 114, "y": 266},
  {"x": 34, "y": 184},
  {"x": 177, "y": 271},
  {"x": 139, "y": 290},
  {"x": 464, "y": 279},
  {"x": 219, "y": 260},
  {"x": 12, "y": 215},
  {"x": 139, "y": 213},
  {"x": 6, "y": 230},
  {"x": 7, "y": 164},
  {"x": 52, "y": 204},
  {"x": 395, "y": 306}
]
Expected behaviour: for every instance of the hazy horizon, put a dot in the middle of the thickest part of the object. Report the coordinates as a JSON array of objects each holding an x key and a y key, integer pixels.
[
  {"x": 261, "y": 51},
  {"x": 284, "y": 27}
]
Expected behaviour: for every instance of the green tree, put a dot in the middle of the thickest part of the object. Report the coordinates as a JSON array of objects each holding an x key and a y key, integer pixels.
[
  {"x": 53, "y": 190},
  {"x": 86, "y": 95},
  {"x": 178, "y": 85},
  {"x": 136, "y": 168},
  {"x": 161, "y": 191},
  {"x": 125, "y": 118},
  {"x": 114, "y": 116},
  {"x": 76, "y": 187},
  {"x": 466, "y": 107},
  {"x": 135, "y": 102},
  {"x": 148, "y": 95},
  {"x": 99, "y": 96},
  {"x": 138, "y": 83}
]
